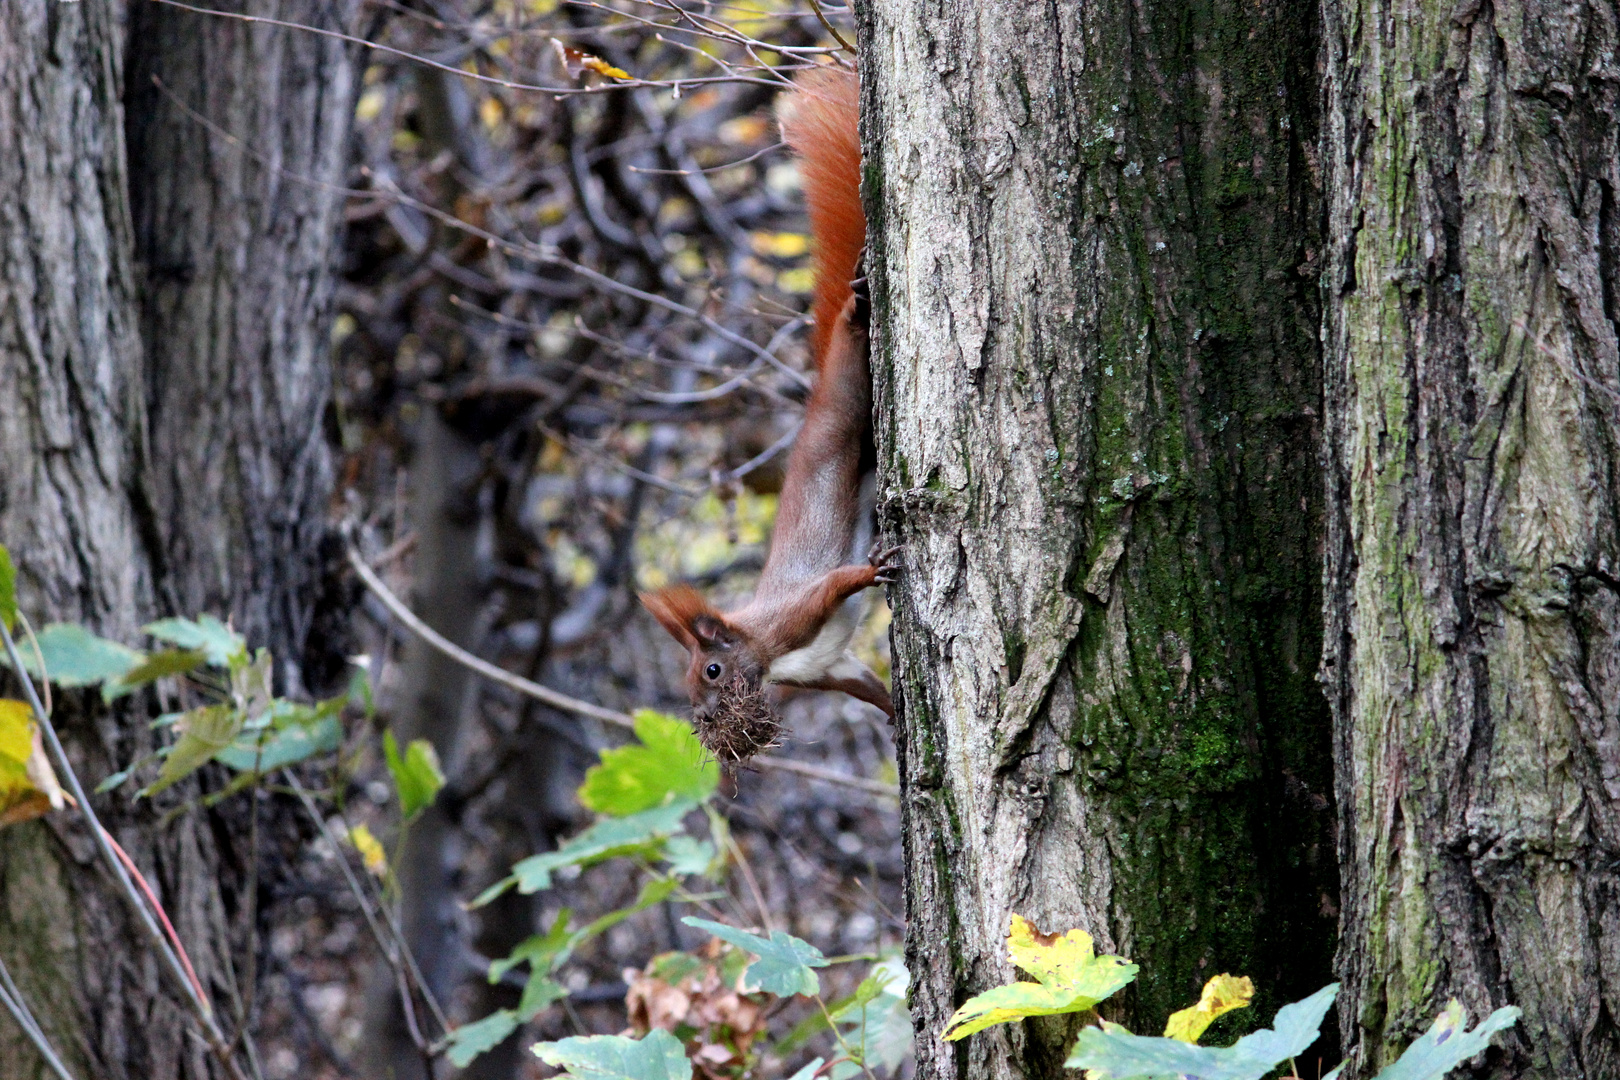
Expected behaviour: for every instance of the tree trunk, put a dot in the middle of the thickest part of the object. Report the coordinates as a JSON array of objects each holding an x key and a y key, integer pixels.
[
  {"x": 1096, "y": 366},
  {"x": 434, "y": 700},
  {"x": 1473, "y": 625},
  {"x": 99, "y": 537},
  {"x": 236, "y": 133}
]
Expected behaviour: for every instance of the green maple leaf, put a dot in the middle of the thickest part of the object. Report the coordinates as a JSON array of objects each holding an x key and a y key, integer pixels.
[
  {"x": 659, "y": 1056},
  {"x": 668, "y": 765},
  {"x": 784, "y": 963}
]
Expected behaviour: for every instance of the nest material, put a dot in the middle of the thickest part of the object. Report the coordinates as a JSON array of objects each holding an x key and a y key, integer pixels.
[{"x": 742, "y": 723}]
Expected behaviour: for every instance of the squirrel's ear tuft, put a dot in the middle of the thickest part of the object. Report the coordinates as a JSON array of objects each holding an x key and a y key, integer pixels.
[
  {"x": 680, "y": 609},
  {"x": 711, "y": 629}
]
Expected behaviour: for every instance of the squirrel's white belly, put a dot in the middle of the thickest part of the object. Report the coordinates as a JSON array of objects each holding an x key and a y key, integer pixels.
[{"x": 818, "y": 659}]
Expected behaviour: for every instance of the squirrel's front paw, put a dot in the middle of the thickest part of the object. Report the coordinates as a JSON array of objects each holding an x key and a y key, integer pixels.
[
  {"x": 861, "y": 316},
  {"x": 884, "y": 562}
]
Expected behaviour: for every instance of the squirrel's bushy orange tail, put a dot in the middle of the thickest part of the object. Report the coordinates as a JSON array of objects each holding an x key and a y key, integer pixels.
[{"x": 820, "y": 121}]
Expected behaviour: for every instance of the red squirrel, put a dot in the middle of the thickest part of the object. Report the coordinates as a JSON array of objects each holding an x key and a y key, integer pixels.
[{"x": 796, "y": 630}]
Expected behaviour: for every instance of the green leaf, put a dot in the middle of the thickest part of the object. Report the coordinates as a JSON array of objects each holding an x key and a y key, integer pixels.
[
  {"x": 784, "y": 963},
  {"x": 688, "y": 855},
  {"x": 295, "y": 733},
  {"x": 1070, "y": 977},
  {"x": 668, "y": 765},
  {"x": 470, "y": 1040},
  {"x": 808, "y": 1072},
  {"x": 204, "y": 732},
  {"x": 659, "y": 1056},
  {"x": 8, "y": 589},
  {"x": 250, "y": 686},
  {"x": 218, "y": 642},
  {"x": 76, "y": 657},
  {"x": 416, "y": 773},
  {"x": 540, "y": 992},
  {"x": 881, "y": 1030},
  {"x": 542, "y": 952},
  {"x": 1111, "y": 1053},
  {"x": 114, "y": 780},
  {"x": 156, "y": 666},
  {"x": 609, "y": 837},
  {"x": 1448, "y": 1043}
]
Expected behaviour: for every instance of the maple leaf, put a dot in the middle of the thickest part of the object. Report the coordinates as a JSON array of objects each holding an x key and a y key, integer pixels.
[{"x": 1069, "y": 977}]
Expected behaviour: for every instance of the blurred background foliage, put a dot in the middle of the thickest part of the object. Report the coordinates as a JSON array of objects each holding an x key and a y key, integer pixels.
[{"x": 570, "y": 354}]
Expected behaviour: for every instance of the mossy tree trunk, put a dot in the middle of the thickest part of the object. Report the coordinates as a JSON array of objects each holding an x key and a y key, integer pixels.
[
  {"x": 107, "y": 368},
  {"x": 1473, "y": 415},
  {"x": 1093, "y": 257}
]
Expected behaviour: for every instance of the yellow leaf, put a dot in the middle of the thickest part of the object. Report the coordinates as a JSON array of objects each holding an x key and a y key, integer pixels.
[
  {"x": 602, "y": 67},
  {"x": 801, "y": 281},
  {"x": 370, "y": 849},
  {"x": 1070, "y": 977},
  {"x": 780, "y": 245},
  {"x": 744, "y": 129},
  {"x": 1221, "y": 994},
  {"x": 370, "y": 105},
  {"x": 28, "y": 785},
  {"x": 16, "y": 730},
  {"x": 490, "y": 111}
]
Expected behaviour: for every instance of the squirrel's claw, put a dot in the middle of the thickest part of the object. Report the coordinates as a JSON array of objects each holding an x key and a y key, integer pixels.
[
  {"x": 862, "y": 315},
  {"x": 884, "y": 562}
]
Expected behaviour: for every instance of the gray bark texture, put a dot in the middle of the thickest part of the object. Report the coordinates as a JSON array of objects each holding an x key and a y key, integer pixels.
[
  {"x": 86, "y": 478},
  {"x": 237, "y": 133},
  {"x": 1092, "y": 246},
  {"x": 1473, "y": 584}
]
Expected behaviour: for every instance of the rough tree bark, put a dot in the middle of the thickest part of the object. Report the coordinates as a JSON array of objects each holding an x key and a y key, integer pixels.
[
  {"x": 1473, "y": 626},
  {"x": 1096, "y": 358},
  {"x": 96, "y": 529},
  {"x": 236, "y": 133}
]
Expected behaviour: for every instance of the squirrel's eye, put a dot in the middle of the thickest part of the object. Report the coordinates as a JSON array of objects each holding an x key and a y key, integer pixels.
[{"x": 712, "y": 671}]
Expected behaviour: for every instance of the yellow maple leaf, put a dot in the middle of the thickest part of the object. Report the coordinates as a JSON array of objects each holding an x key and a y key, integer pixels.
[
  {"x": 1221, "y": 994},
  {"x": 1070, "y": 977}
]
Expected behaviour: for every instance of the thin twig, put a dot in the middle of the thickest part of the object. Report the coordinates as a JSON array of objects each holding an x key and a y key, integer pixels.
[
  {"x": 396, "y": 952},
  {"x": 526, "y": 249},
  {"x": 830, "y": 28},
  {"x": 15, "y": 1004},
  {"x": 509, "y": 84},
  {"x": 466, "y": 659}
]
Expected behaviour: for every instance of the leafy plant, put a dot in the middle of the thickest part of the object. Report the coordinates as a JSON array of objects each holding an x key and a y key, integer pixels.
[
  {"x": 416, "y": 772},
  {"x": 1069, "y": 975},
  {"x": 702, "y": 1010},
  {"x": 240, "y": 724},
  {"x": 658, "y": 1056},
  {"x": 785, "y": 965},
  {"x": 8, "y": 589}
]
